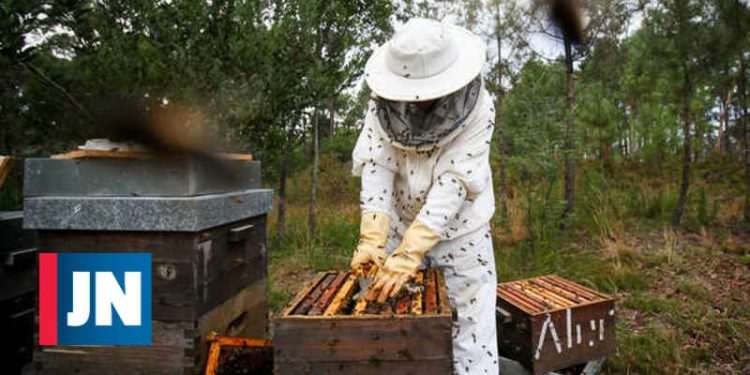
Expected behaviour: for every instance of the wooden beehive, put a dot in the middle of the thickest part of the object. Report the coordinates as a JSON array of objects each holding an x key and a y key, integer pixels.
[
  {"x": 18, "y": 289},
  {"x": 324, "y": 330},
  {"x": 206, "y": 235},
  {"x": 213, "y": 280},
  {"x": 238, "y": 355},
  {"x": 548, "y": 323}
]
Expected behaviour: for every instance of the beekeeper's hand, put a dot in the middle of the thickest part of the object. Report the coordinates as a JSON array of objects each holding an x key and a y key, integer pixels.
[
  {"x": 373, "y": 233},
  {"x": 403, "y": 263}
]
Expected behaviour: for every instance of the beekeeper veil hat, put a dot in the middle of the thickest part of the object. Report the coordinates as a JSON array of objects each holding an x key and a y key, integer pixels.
[{"x": 425, "y": 60}]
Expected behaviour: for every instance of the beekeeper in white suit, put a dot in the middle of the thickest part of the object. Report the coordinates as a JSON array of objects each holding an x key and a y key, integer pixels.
[{"x": 426, "y": 197}]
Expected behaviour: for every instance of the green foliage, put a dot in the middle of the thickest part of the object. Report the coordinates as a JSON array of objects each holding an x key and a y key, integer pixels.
[
  {"x": 647, "y": 354},
  {"x": 11, "y": 194},
  {"x": 253, "y": 68},
  {"x": 277, "y": 297},
  {"x": 705, "y": 215},
  {"x": 341, "y": 147},
  {"x": 692, "y": 289},
  {"x": 533, "y": 134},
  {"x": 653, "y": 203},
  {"x": 331, "y": 249}
]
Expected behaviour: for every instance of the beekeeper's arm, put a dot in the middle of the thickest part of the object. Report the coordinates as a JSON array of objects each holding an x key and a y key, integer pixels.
[
  {"x": 462, "y": 173},
  {"x": 375, "y": 161}
]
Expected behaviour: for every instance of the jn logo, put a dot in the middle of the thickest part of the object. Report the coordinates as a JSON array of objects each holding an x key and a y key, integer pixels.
[{"x": 94, "y": 299}]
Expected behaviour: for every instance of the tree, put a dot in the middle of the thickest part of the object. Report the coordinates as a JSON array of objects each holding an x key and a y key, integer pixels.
[
  {"x": 678, "y": 32},
  {"x": 313, "y": 51},
  {"x": 534, "y": 133},
  {"x": 745, "y": 116},
  {"x": 337, "y": 36},
  {"x": 733, "y": 46},
  {"x": 511, "y": 22},
  {"x": 647, "y": 87},
  {"x": 567, "y": 20}
]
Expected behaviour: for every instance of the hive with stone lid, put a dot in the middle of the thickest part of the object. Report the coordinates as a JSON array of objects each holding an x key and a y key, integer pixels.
[{"x": 206, "y": 233}]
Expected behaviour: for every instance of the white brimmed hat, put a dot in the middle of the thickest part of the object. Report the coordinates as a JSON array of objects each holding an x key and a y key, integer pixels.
[{"x": 425, "y": 60}]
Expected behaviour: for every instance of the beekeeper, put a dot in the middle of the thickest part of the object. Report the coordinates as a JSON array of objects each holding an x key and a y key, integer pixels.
[{"x": 426, "y": 198}]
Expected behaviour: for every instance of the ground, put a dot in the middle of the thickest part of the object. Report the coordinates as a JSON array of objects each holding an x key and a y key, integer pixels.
[{"x": 690, "y": 310}]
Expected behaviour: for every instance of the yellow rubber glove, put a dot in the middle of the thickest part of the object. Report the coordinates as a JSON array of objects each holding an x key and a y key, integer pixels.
[
  {"x": 404, "y": 262},
  {"x": 373, "y": 233}
]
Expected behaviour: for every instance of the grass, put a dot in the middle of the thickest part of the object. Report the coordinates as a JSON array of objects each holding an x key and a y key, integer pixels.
[{"x": 683, "y": 296}]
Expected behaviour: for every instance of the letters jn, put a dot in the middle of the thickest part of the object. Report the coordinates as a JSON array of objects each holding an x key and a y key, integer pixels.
[{"x": 109, "y": 296}]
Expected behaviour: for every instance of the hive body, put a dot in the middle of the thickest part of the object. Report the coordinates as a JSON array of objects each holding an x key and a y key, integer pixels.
[
  {"x": 548, "y": 323},
  {"x": 202, "y": 282},
  {"x": 18, "y": 289},
  {"x": 209, "y": 268},
  {"x": 324, "y": 330}
]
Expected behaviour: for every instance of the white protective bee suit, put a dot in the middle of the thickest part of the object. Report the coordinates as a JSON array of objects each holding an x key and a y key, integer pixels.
[{"x": 447, "y": 186}]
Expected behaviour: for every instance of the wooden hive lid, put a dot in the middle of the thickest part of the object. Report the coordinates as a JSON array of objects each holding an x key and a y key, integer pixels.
[
  {"x": 115, "y": 154},
  {"x": 5, "y": 164},
  {"x": 548, "y": 293}
]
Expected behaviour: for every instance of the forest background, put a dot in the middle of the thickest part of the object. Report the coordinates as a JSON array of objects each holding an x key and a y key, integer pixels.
[{"x": 622, "y": 162}]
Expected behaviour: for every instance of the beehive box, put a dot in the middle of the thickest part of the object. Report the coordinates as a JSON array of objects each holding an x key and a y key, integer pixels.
[
  {"x": 211, "y": 280},
  {"x": 208, "y": 260},
  {"x": 18, "y": 290},
  {"x": 239, "y": 356},
  {"x": 324, "y": 330},
  {"x": 548, "y": 323}
]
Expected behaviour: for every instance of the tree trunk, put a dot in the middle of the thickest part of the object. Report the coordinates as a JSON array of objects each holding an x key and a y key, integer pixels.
[
  {"x": 606, "y": 156},
  {"x": 724, "y": 119},
  {"x": 502, "y": 150},
  {"x": 501, "y": 145},
  {"x": 281, "y": 222},
  {"x": 631, "y": 131},
  {"x": 3, "y": 149},
  {"x": 699, "y": 139},
  {"x": 745, "y": 118},
  {"x": 332, "y": 120},
  {"x": 314, "y": 176},
  {"x": 687, "y": 95},
  {"x": 569, "y": 131},
  {"x": 5, "y": 121}
]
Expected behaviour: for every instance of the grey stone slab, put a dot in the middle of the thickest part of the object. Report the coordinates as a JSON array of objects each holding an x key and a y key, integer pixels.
[
  {"x": 173, "y": 176},
  {"x": 178, "y": 214}
]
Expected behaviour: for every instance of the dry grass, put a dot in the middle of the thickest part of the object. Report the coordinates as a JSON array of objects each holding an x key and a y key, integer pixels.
[
  {"x": 671, "y": 244},
  {"x": 515, "y": 229}
]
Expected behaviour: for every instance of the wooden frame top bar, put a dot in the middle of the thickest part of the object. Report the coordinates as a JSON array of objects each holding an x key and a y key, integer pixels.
[
  {"x": 330, "y": 292},
  {"x": 547, "y": 293},
  {"x": 5, "y": 163},
  {"x": 81, "y": 154}
]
